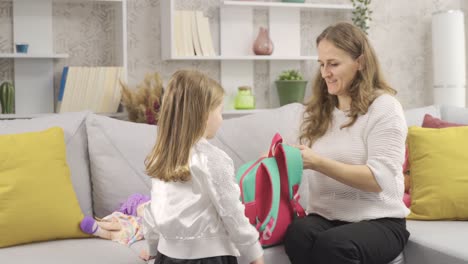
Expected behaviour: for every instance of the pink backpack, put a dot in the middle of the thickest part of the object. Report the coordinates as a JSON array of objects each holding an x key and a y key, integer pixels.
[{"x": 269, "y": 190}]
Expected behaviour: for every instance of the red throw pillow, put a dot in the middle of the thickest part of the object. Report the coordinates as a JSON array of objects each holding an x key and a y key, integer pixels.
[{"x": 434, "y": 122}]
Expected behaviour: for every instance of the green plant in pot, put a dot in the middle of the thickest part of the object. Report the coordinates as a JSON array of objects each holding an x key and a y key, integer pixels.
[
  {"x": 291, "y": 87},
  {"x": 7, "y": 98}
]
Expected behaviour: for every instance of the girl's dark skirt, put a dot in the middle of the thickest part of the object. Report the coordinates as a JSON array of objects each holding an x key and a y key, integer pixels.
[{"x": 162, "y": 259}]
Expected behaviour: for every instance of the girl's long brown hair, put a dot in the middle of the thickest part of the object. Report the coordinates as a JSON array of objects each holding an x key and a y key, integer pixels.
[
  {"x": 189, "y": 98},
  {"x": 367, "y": 85}
]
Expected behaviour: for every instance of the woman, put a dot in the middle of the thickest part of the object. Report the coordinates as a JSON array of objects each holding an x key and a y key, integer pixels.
[{"x": 354, "y": 135}]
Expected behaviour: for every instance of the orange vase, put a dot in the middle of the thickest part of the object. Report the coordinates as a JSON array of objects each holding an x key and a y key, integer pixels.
[{"x": 263, "y": 44}]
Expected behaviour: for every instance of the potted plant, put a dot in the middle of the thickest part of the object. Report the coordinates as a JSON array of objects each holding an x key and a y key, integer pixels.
[
  {"x": 7, "y": 98},
  {"x": 291, "y": 87}
]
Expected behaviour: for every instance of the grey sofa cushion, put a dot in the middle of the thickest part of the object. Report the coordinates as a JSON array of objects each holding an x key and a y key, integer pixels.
[
  {"x": 70, "y": 251},
  {"x": 117, "y": 151},
  {"x": 74, "y": 127},
  {"x": 436, "y": 242},
  {"x": 247, "y": 137},
  {"x": 454, "y": 114},
  {"x": 415, "y": 116}
]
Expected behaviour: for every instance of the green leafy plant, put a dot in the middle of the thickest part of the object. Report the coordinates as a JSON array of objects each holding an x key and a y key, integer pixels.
[
  {"x": 290, "y": 75},
  {"x": 361, "y": 14}
]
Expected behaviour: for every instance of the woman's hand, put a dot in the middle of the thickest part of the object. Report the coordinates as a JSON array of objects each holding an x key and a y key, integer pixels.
[{"x": 309, "y": 158}]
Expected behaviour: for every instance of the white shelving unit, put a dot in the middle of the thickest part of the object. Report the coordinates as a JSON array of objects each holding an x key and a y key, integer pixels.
[
  {"x": 287, "y": 5},
  {"x": 237, "y": 34},
  {"x": 246, "y": 58},
  {"x": 34, "y": 71},
  {"x": 33, "y": 56}
]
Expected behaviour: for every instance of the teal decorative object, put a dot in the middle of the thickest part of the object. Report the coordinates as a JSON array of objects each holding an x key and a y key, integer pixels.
[
  {"x": 244, "y": 99},
  {"x": 7, "y": 97},
  {"x": 22, "y": 47}
]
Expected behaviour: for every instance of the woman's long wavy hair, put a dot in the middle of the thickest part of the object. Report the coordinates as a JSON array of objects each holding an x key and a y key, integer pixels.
[
  {"x": 367, "y": 85},
  {"x": 189, "y": 98}
]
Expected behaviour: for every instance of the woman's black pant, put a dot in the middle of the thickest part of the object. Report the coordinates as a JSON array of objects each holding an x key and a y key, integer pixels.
[{"x": 316, "y": 240}]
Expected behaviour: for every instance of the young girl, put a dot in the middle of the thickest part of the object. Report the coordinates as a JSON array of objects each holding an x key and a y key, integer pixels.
[{"x": 195, "y": 215}]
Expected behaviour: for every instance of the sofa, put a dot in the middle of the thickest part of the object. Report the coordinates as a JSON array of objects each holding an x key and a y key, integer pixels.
[{"x": 106, "y": 156}]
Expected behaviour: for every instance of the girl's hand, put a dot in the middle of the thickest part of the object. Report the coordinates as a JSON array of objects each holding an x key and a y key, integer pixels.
[
  {"x": 309, "y": 157},
  {"x": 144, "y": 255},
  {"x": 258, "y": 261}
]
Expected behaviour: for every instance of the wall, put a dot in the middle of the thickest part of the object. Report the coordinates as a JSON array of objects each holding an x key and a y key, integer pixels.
[{"x": 400, "y": 32}]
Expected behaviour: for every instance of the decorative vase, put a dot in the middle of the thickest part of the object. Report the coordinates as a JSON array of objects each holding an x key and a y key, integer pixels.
[
  {"x": 291, "y": 91},
  {"x": 263, "y": 44}
]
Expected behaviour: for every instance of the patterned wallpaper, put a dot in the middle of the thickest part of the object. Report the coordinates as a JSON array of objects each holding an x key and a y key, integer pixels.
[{"x": 400, "y": 32}]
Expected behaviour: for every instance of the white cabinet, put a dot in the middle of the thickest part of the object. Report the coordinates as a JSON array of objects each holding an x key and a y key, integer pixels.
[
  {"x": 238, "y": 33},
  {"x": 34, "y": 71}
]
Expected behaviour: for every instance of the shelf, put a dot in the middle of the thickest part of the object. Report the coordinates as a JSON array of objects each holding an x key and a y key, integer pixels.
[
  {"x": 33, "y": 56},
  {"x": 239, "y": 113},
  {"x": 118, "y": 115},
  {"x": 248, "y": 58},
  {"x": 253, "y": 4},
  {"x": 71, "y": 1}
]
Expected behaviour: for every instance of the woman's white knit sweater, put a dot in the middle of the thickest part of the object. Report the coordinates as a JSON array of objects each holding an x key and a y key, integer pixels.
[
  {"x": 202, "y": 217},
  {"x": 376, "y": 139}
]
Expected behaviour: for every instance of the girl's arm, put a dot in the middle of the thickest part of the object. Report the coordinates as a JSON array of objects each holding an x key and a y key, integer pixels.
[
  {"x": 224, "y": 194},
  {"x": 150, "y": 231}
]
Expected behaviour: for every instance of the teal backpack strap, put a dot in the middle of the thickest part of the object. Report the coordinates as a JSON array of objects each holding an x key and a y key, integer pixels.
[
  {"x": 294, "y": 167},
  {"x": 259, "y": 183}
]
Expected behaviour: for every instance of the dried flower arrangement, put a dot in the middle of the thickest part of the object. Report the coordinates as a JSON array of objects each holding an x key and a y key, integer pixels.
[{"x": 144, "y": 102}]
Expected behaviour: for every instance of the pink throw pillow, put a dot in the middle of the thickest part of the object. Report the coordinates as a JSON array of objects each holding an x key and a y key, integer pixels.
[{"x": 434, "y": 122}]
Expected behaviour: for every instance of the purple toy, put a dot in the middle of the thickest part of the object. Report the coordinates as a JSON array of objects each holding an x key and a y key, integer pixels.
[{"x": 129, "y": 207}]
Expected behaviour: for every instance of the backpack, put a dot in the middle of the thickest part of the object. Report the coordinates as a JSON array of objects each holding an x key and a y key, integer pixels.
[{"x": 269, "y": 191}]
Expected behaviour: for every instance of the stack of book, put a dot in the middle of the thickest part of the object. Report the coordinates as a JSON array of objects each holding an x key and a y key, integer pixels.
[
  {"x": 90, "y": 88},
  {"x": 192, "y": 34}
]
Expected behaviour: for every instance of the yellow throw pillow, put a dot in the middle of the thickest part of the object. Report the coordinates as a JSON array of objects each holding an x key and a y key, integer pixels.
[
  {"x": 439, "y": 173},
  {"x": 37, "y": 199}
]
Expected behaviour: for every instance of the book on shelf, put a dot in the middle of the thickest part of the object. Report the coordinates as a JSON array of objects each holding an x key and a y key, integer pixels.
[
  {"x": 192, "y": 34},
  {"x": 91, "y": 88},
  {"x": 195, "y": 36},
  {"x": 179, "y": 49},
  {"x": 63, "y": 80}
]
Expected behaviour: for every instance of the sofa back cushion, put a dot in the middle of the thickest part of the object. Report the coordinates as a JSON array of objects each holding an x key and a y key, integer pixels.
[
  {"x": 454, "y": 114},
  {"x": 246, "y": 138},
  {"x": 415, "y": 116},
  {"x": 76, "y": 141},
  {"x": 117, "y": 151}
]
